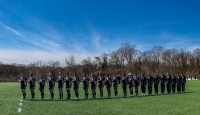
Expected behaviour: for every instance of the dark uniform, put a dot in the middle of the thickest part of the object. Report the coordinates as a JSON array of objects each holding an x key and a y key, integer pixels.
[
  {"x": 162, "y": 83},
  {"x": 115, "y": 86},
  {"x": 130, "y": 83},
  {"x": 31, "y": 82},
  {"x": 124, "y": 86},
  {"x": 76, "y": 86},
  {"x": 23, "y": 82},
  {"x": 183, "y": 84},
  {"x": 108, "y": 84},
  {"x": 156, "y": 82},
  {"x": 68, "y": 87},
  {"x": 168, "y": 83},
  {"x": 179, "y": 84},
  {"x": 174, "y": 81},
  {"x": 60, "y": 83},
  {"x": 100, "y": 80},
  {"x": 136, "y": 85},
  {"x": 60, "y": 87},
  {"x": 95, "y": 78},
  {"x": 41, "y": 87},
  {"x": 119, "y": 79},
  {"x": 51, "y": 82},
  {"x": 86, "y": 86},
  {"x": 143, "y": 85},
  {"x": 93, "y": 87},
  {"x": 150, "y": 83}
]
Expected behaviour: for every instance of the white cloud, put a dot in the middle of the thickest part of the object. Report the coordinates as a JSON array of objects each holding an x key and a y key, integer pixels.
[
  {"x": 26, "y": 57},
  {"x": 11, "y": 29},
  {"x": 96, "y": 41},
  {"x": 41, "y": 39},
  {"x": 170, "y": 36},
  {"x": 45, "y": 45},
  {"x": 176, "y": 41}
]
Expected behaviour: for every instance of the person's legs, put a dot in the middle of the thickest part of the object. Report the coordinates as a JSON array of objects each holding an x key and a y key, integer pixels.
[
  {"x": 32, "y": 93},
  {"x": 24, "y": 93}
]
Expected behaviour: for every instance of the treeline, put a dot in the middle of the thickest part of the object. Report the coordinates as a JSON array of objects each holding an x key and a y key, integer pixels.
[{"x": 125, "y": 59}]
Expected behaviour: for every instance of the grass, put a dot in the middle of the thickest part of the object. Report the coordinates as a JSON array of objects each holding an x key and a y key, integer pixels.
[{"x": 175, "y": 104}]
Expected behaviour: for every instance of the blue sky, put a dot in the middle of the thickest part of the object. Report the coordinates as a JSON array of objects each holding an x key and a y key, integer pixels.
[{"x": 32, "y": 30}]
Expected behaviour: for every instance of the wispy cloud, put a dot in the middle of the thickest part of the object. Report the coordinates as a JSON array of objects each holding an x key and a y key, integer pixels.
[
  {"x": 95, "y": 39},
  {"x": 179, "y": 41},
  {"x": 41, "y": 41},
  {"x": 169, "y": 36},
  {"x": 11, "y": 29},
  {"x": 45, "y": 44}
]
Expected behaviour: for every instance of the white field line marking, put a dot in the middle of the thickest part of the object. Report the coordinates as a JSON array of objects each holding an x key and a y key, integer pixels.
[
  {"x": 19, "y": 109},
  {"x": 20, "y": 104}
]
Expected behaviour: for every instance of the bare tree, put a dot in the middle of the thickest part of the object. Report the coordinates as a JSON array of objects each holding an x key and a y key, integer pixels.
[
  {"x": 87, "y": 65},
  {"x": 70, "y": 63},
  {"x": 104, "y": 66},
  {"x": 129, "y": 52}
]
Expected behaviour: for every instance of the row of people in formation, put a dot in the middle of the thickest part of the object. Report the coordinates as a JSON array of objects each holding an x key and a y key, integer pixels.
[{"x": 172, "y": 83}]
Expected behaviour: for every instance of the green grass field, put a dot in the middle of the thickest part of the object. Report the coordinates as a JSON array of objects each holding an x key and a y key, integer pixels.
[{"x": 187, "y": 103}]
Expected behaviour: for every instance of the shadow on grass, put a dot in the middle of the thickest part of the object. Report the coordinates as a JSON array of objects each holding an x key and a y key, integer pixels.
[{"x": 95, "y": 99}]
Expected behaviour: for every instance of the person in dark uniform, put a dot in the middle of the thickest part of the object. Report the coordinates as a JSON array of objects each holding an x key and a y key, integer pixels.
[
  {"x": 150, "y": 83},
  {"x": 195, "y": 77},
  {"x": 136, "y": 84},
  {"x": 168, "y": 83},
  {"x": 118, "y": 77},
  {"x": 95, "y": 78},
  {"x": 179, "y": 82},
  {"x": 63, "y": 79},
  {"x": 162, "y": 83},
  {"x": 68, "y": 86},
  {"x": 77, "y": 77},
  {"x": 31, "y": 81},
  {"x": 115, "y": 84},
  {"x": 51, "y": 82},
  {"x": 174, "y": 81},
  {"x": 76, "y": 87},
  {"x": 183, "y": 83},
  {"x": 23, "y": 81},
  {"x": 85, "y": 85},
  {"x": 41, "y": 86},
  {"x": 156, "y": 80},
  {"x": 60, "y": 86},
  {"x": 93, "y": 86},
  {"x": 124, "y": 85},
  {"x": 101, "y": 85},
  {"x": 108, "y": 84},
  {"x": 130, "y": 83},
  {"x": 103, "y": 77},
  {"x": 143, "y": 81}
]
